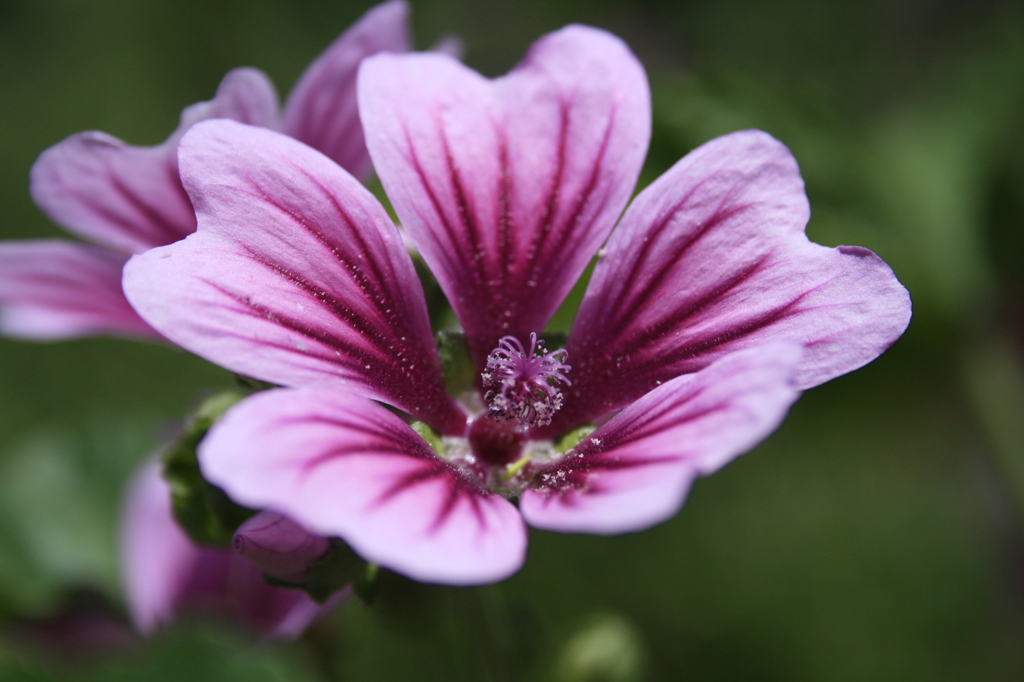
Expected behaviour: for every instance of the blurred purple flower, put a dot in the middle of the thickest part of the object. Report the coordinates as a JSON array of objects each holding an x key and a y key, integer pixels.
[
  {"x": 707, "y": 312},
  {"x": 129, "y": 199},
  {"x": 167, "y": 576}
]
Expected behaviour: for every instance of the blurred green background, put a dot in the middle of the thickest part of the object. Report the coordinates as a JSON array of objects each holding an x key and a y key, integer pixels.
[{"x": 878, "y": 535}]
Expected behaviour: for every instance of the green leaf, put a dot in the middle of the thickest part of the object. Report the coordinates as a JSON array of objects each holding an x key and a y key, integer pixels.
[{"x": 60, "y": 499}]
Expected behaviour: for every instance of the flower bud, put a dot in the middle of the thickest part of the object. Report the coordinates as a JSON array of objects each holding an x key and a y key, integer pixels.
[
  {"x": 279, "y": 547},
  {"x": 167, "y": 576}
]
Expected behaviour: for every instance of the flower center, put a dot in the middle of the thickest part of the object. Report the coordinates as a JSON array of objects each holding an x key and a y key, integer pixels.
[
  {"x": 524, "y": 386},
  {"x": 494, "y": 443}
]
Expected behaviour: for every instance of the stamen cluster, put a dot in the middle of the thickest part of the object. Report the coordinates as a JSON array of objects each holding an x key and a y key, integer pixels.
[{"x": 524, "y": 386}]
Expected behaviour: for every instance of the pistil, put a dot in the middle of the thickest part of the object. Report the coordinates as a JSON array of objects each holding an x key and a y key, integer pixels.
[
  {"x": 494, "y": 443},
  {"x": 524, "y": 386}
]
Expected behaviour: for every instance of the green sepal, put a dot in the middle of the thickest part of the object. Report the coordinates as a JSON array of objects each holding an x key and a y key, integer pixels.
[
  {"x": 286, "y": 584},
  {"x": 554, "y": 340},
  {"x": 567, "y": 441},
  {"x": 249, "y": 384},
  {"x": 340, "y": 568},
  {"x": 429, "y": 434},
  {"x": 203, "y": 511},
  {"x": 438, "y": 307},
  {"x": 459, "y": 374}
]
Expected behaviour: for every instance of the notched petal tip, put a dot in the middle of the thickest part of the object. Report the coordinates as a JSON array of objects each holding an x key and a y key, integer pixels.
[
  {"x": 111, "y": 193},
  {"x": 875, "y": 310},
  {"x": 130, "y": 198},
  {"x": 509, "y": 186},
  {"x": 246, "y": 95},
  {"x": 712, "y": 258},
  {"x": 296, "y": 276}
]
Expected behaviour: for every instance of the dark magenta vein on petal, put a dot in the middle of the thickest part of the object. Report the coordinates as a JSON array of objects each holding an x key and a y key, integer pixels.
[
  {"x": 457, "y": 487},
  {"x": 547, "y": 218},
  {"x": 167, "y": 233},
  {"x": 320, "y": 336},
  {"x": 403, "y": 442},
  {"x": 429, "y": 401},
  {"x": 340, "y": 98},
  {"x": 384, "y": 301},
  {"x": 695, "y": 349},
  {"x": 456, "y": 492},
  {"x": 651, "y": 237},
  {"x": 652, "y": 425},
  {"x": 455, "y": 244},
  {"x": 505, "y": 223},
  {"x": 353, "y": 270},
  {"x": 339, "y": 310},
  {"x": 566, "y": 231},
  {"x": 310, "y": 465},
  {"x": 356, "y": 235},
  {"x": 467, "y": 218},
  {"x": 589, "y": 457},
  {"x": 668, "y": 265},
  {"x": 687, "y": 310},
  {"x": 138, "y": 233},
  {"x": 575, "y": 472}
]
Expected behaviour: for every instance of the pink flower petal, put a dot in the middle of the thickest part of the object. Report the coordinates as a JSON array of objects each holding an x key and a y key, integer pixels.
[
  {"x": 167, "y": 576},
  {"x": 322, "y": 110},
  {"x": 711, "y": 258},
  {"x": 296, "y": 276},
  {"x": 509, "y": 186},
  {"x": 156, "y": 555},
  {"x": 344, "y": 466},
  {"x": 56, "y": 290},
  {"x": 245, "y": 95},
  {"x": 130, "y": 198},
  {"x": 98, "y": 187},
  {"x": 635, "y": 470}
]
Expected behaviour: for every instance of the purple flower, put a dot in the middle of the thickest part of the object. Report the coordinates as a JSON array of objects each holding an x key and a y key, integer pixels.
[
  {"x": 129, "y": 199},
  {"x": 167, "y": 576},
  {"x": 707, "y": 312}
]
